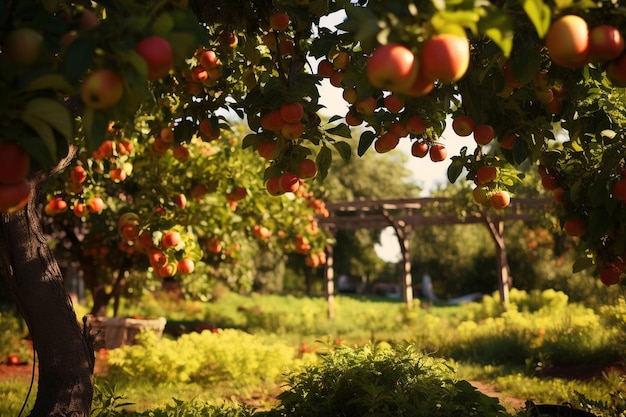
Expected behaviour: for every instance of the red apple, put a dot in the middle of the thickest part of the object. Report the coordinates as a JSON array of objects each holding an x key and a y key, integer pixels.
[
  {"x": 292, "y": 130},
  {"x": 463, "y": 125},
  {"x": 268, "y": 149},
  {"x": 419, "y": 149},
  {"x": 279, "y": 21},
  {"x": 353, "y": 118},
  {"x": 567, "y": 41},
  {"x": 185, "y": 266},
  {"x": 96, "y": 205},
  {"x": 508, "y": 141},
  {"x": 237, "y": 194},
  {"x": 157, "y": 258},
  {"x": 210, "y": 129},
  {"x": 484, "y": 134},
  {"x": 289, "y": 182},
  {"x": 610, "y": 274},
  {"x": 325, "y": 68},
  {"x": 392, "y": 67},
  {"x": 366, "y": 106},
  {"x": 273, "y": 186},
  {"x": 79, "y": 210},
  {"x": 14, "y": 197},
  {"x": 438, "y": 152},
  {"x": 387, "y": 142},
  {"x": 170, "y": 239},
  {"x": 618, "y": 190},
  {"x": 180, "y": 153},
  {"x": 350, "y": 95},
  {"x": 616, "y": 71},
  {"x": 605, "y": 43},
  {"x": 180, "y": 200},
  {"x": 23, "y": 46},
  {"x": 421, "y": 86},
  {"x": 500, "y": 199},
  {"x": 398, "y": 129},
  {"x": 102, "y": 89},
  {"x": 485, "y": 174},
  {"x": 307, "y": 168},
  {"x": 415, "y": 125},
  {"x": 291, "y": 112},
  {"x": 158, "y": 54},
  {"x": 393, "y": 103},
  {"x": 575, "y": 226},
  {"x": 445, "y": 57},
  {"x": 14, "y": 163}
]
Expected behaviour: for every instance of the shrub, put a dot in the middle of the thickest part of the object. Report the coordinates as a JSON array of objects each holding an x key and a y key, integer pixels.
[{"x": 378, "y": 380}]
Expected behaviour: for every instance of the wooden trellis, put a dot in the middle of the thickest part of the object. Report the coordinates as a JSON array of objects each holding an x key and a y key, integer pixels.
[{"x": 406, "y": 214}]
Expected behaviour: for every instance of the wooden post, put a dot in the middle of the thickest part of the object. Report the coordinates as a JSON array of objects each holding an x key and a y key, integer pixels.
[
  {"x": 505, "y": 281},
  {"x": 403, "y": 231},
  {"x": 330, "y": 282}
]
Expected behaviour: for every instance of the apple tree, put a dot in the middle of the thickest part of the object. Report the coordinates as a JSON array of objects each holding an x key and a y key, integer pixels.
[{"x": 531, "y": 81}]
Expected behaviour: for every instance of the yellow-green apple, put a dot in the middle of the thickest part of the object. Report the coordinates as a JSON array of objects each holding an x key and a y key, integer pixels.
[
  {"x": 102, "y": 89},
  {"x": 392, "y": 67}
]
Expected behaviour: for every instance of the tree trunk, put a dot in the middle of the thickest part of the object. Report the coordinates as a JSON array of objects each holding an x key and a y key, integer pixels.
[
  {"x": 505, "y": 280},
  {"x": 66, "y": 358}
]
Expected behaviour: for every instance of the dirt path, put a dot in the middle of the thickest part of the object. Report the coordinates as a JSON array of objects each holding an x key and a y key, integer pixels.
[{"x": 510, "y": 403}]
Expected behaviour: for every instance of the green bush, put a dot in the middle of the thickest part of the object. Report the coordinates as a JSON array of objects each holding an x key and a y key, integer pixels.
[{"x": 378, "y": 380}]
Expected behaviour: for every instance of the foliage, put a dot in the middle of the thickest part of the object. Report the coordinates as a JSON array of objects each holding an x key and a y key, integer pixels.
[
  {"x": 13, "y": 331},
  {"x": 380, "y": 380}
]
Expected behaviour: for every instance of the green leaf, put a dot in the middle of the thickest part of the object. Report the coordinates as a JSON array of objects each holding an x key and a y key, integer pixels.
[
  {"x": 455, "y": 22},
  {"x": 95, "y": 124},
  {"x": 581, "y": 264},
  {"x": 50, "y": 5},
  {"x": 39, "y": 151},
  {"x": 54, "y": 113},
  {"x": 323, "y": 160},
  {"x": 539, "y": 14},
  {"x": 344, "y": 149},
  {"x": 366, "y": 140},
  {"x": 342, "y": 130},
  {"x": 44, "y": 131},
  {"x": 499, "y": 27},
  {"x": 56, "y": 82},
  {"x": 520, "y": 151},
  {"x": 77, "y": 59},
  {"x": 455, "y": 169}
]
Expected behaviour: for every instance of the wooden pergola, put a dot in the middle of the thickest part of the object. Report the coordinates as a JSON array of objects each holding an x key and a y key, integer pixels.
[{"x": 403, "y": 215}]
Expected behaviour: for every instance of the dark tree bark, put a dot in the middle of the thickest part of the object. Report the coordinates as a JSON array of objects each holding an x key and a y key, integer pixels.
[{"x": 64, "y": 350}]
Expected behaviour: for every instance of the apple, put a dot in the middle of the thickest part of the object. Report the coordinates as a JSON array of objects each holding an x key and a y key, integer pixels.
[
  {"x": 180, "y": 153},
  {"x": 292, "y": 130},
  {"x": 549, "y": 181},
  {"x": 166, "y": 271},
  {"x": 419, "y": 149},
  {"x": 387, "y": 142},
  {"x": 463, "y": 125},
  {"x": 307, "y": 168},
  {"x": 480, "y": 194},
  {"x": 485, "y": 174},
  {"x": 291, "y": 112},
  {"x": 289, "y": 182},
  {"x": 279, "y": 21},
  {"x": 554, "y": 106},
  {"x": 350, "y": 95},
  {"x": 167, "y": 135},
  {"x": 13, "y": 360},
  {"x": 393, "y": 103},
  {"x": 118, "y": 174},
  {"x": 79, "y": 210},
  {"x": 575, "y": 226},
  {"x": 415, "y": 125},
  {"x": 96, "y": 205},
  {"x": 105, "y": 150},
  {"x": 268, "y": 149},
  {"x": 605, "y": 43},
  {"x": 170, "y": 239},
  {"x": 214, "y": 245},
  {"x": 160, "y": 145},
  {"x": 500, "y": 199},
  {"x": 87, "y": 20},
  {"x": 445, "y": 57},
  {"x": 209, "y": 60},
  {"x": 237, "y": 194},
  {"x": 567, "y": 41},
  {"x": 312, "y": 260},
  {"x": 543, "y": 96},
  {"x": 325, "y": 68},
  {"x": 209, "y": 129},
  {"x": 398, "y": 129},
  {"x": 157, "y": 258},
  {"x": 180, "y": 200},
  {"x": 353, "y": 118},
  {"x": 508, "y": 141},
  {"x": 273, "y": 186},
  {"x": 484, "y": 134},
  {"x": 336, "y": 79},
  {"x": 14, "y": 197},
  {"x": 392, "y": 67},
  {"x": 198, "y": 192},
  {"x": 421, "y": 86},
  {"x": 438, "y": 152},
  {"x": 158, "y": 54},
  {"x": 341, "y": 60},
  {"x": 23, "y": 46},
  {"x": 616, "y": 71},
  {"x": 610, "y": 274},
  {"x": 618, "y": 190},
  {"x": 102, "y": 89},
  {"x": 130, "y": 232},
  {"x": 228, "y": 39},
  {"x": 185, "y": 266},
  {"x": 366, "y": 106},
  {"x": 14, "y": 163}
]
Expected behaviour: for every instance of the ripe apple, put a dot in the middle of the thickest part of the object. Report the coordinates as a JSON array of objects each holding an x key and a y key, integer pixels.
[
  {"x": 14, "y": 197},
  {"x": 336, "y": 79},
  {"x": 23, "y": 46},
  {"x": 350, "y": 95},
  {"x": 438, "y": 152},
  {"x": 170, "y": 239},
  {"x": 289, "y": 182},
  {"x": 392, "y": 67},
  {"x": 500, "y": 199},
  {"x": 605, "y": 43},
  {"x": 158, "y": 54},
  {"x": 228, "y": 39},
  {"x": 463, "y": 125},
  {"x": 272, "y": 121},
  {"x": 307, "y": 168},
  {"x": 387, "y": 142},
  {"x": 291, "y": 112},
  {"x": 508, "y": 141},
  {"x": 393, "y": 103},
  {"x": 485, "y": 174},
  {"x": 237, "y": 194},
  {"x": 616, "y": 71},
  {"x": 610, "y": 274},
  {"x": 445, "y": 57},
  {"x": 325, "y": 68},
  {"x": 480, "y": 194},
  {"x": 214, "y": 245},
  {"x": 366, "y": 106},
  {"x": 484, "y": 134},
  {"x": 353, "y": 118},
  {"x": 180, "y": 200},
  {"x": 166, "y": 271},
  {"x": 157, "y": 258},
  {"x": 567, "y": 41},
  {"x": 13, "y": 360},
  {"x": 14, "y": 163},
  {"x": 180, "y": 153},
  {"x": 575, "y": 226},
  {"x": 105, "y": 150},
  {"x": 96, "y": 205},
  {"x": 415, "y": 125},
  {"x": 185, "y": 266},
  {"x": 130, "y": 232},
  {"x": 273, "y": 186},
  {"x": 554, "y": 106},
  {"x": 398, "y": 129},
  {"x": 167, "y": 134},
  {"x": 419, "y": 149},
  {"x": 198, "y": 192},
  {"x": 279, "y": 21},
  {"x": 79, "y": 210},
  {"x": 268, "y": 149},
  {"x": 549, "y": 182},
  {"x": 421, "y": 86},
  {"x": 102, "y": 89},
  {"x": 209, "y": 129},
  {"x": 618, "y": 190},
  {"x": 292, "y": 130},
  {"x": 118, "y": 174},
  {"x": 209, "y": 60}
]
